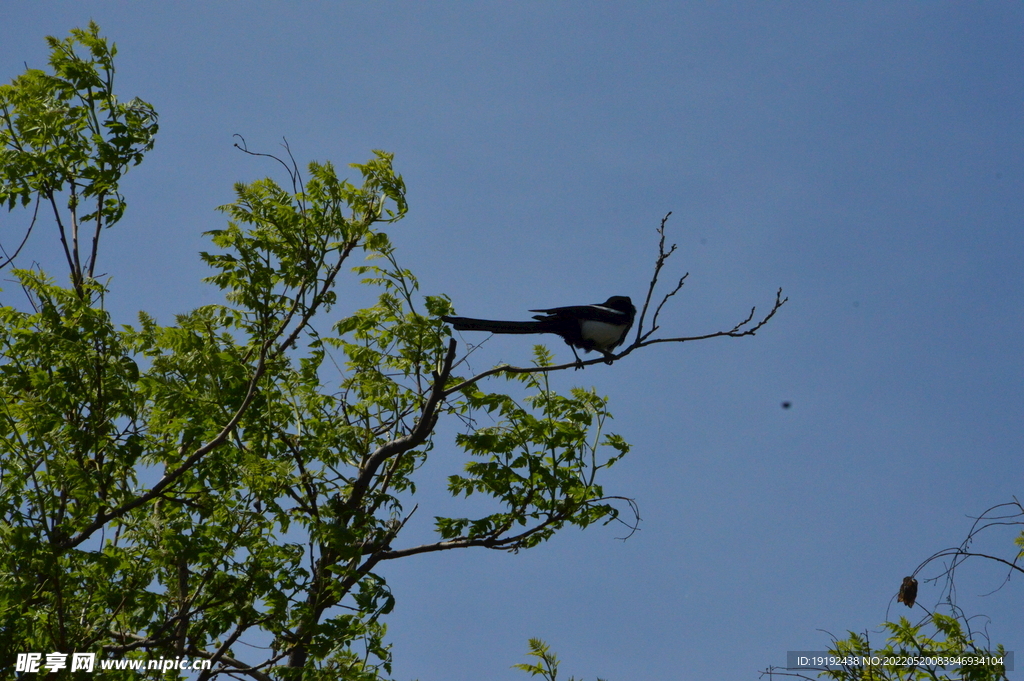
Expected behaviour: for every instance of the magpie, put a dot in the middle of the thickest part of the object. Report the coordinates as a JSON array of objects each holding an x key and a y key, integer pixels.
[{"x": 600, "y": 327}]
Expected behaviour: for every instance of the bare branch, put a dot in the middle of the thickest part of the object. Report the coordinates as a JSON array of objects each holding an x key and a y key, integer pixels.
[
  {"x": 961, "y": 553},
  {"x": 635, "y": 527},
  {"x": 28, "y": 232},
  {"x": 642, "y": 339},
  {"x": 96, "y": 234},
  {"x": 735, "y": 332},
  {"x": 663, "y": 255},
  {"x": 654, "y": 320},
  {"x": 772, "y": 672},
  {"x": 293, "y": 169}
]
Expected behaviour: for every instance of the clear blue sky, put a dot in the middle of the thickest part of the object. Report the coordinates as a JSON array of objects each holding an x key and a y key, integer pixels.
[{"x": 867, "y": 157}]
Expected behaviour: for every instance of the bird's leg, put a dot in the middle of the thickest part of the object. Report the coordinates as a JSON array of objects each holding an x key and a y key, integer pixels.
[
  {"x": 579, "y": 362},
  {"x": 608, "y": 357}
]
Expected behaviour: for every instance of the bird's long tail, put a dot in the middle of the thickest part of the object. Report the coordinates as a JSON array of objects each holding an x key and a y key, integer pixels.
[{"x": 470, "y": 324}]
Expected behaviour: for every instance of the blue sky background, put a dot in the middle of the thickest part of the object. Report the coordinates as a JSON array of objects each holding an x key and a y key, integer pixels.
[{"x": 868, "y": 158}]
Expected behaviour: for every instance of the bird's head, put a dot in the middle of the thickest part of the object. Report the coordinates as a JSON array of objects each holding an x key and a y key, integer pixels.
[{"x": 620, "y": 303}]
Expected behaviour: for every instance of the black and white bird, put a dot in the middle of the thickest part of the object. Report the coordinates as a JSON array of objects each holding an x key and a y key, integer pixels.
[{"x": 600, "y": 327}]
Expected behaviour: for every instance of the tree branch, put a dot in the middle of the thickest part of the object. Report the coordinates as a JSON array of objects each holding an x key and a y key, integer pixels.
[
  {"x": 507, "y": 543},
  {"x": 222, "y": 657},
  {"x": 424, "y": 426},
  {"x": 96, "y": 235},
  {"x": 170, "y": 477},
  {"x": 642, "y": 339},
  {"x": 663, "y": 255},
  {"x": 63, "y": 240},
  {"x": 28, "y": 232},
  {"x": 736, "y": 332},
  {"x": 316, "y": 600}
]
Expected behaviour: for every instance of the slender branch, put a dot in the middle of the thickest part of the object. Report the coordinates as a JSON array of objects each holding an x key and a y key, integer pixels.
[
  {"x": 73, "y": 204},
  {"x": 293, "y": 169},
  {"x": 316, "y": 600},
  {"x": 35, "y": 214},
  {"x": 657, "y": 312},
  {"x": 238, "y": 667},
  {"x": 221, "y": 656},
  {"x": 315, "y": 305},
  {"x": 642, "y": 338},
  {"x": 506, "y": 543},
  {"x": 424, "y": 426},
  {"x": 960, "y": 553},
  {"x": 968, "y": 554},
  {"x": 663, "y": 255},
  {"x": 466, "y": 542},
  {"x": 170, "y": 477},
  {"x": 96, "y": 234},
  {"x": 63, "y": 238},
  {"x": 735, "y": 332}
]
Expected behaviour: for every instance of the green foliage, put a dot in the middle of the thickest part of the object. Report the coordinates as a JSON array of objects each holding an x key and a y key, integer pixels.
[
  {"x": 540, "y": 461},
  {"x": 547, "y": 665},
  {"x": 908, "y": 641},
  {"x": 170, "y": 490},
  {"x": 940, "y": 646},
  {"x": 66, "y": 133}
]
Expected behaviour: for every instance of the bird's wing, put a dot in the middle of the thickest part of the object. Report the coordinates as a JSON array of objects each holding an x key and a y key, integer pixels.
[{"x": 597, "y": 313}]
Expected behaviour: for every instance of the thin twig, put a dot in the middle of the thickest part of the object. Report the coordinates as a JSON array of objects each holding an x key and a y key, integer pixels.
[
  {"x": 293, "y": 169},
  {"x": 35, "y": 214},
  {"x": 658, "y": 264}
]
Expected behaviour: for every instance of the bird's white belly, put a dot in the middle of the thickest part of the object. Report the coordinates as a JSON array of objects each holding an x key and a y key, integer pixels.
[{"x": 602, "y": 334}]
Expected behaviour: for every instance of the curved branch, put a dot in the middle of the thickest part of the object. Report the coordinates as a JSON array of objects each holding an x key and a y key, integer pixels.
[
  {"x": 735, "y": 332},
  {"x": 507, "y": 543},
  {"x": 238, "y": 667},
  {"x": 316, "y": 599},
  {"x": 293, "y": 169},
  {"x": 417, "y": 436},
  {"x": 971, "y": 554},
  {"x": 498, "y": 543},
  {"x": 170, "y": 477},
  {"x": 960, "y": 553},
  {"x": 28, "y": 232},
  {"x": 222, "y": 657}
]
